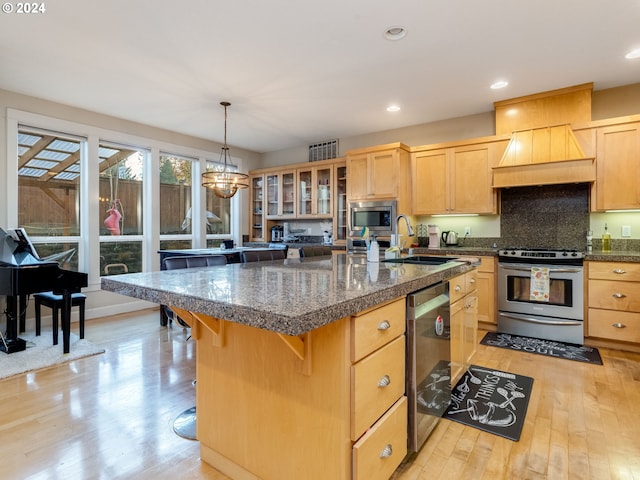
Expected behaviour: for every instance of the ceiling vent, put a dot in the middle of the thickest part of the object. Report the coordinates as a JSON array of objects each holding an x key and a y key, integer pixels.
[{"x": 323, "y": 150}]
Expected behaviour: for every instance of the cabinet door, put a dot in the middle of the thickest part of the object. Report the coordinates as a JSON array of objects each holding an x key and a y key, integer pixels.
[
  {"x": 429, "y": 174},
  {"x": 456, "y": 321},
  {"x": 280, "y": 195},
  {"x": 257, "y": 208},
  {"x": 340, "y": 205},
  {"x": 470, "y": 327},
  {"x": 383, "y": 174},
  {"x": 323, "y": 192},
  {"x": 357, "y": 169},
  {"x": 617, "y": 182},
  {"x": 471, "y": 179},
  {"x": 305, "y": 197}
]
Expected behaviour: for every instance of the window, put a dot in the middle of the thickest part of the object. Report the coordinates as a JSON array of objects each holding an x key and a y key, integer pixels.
[
  {"x": 121, "y": 208},
  {"x": 49, "y": 166},
  {"x": 218, "y": 211},
  {"x": 176, "y": 176}
]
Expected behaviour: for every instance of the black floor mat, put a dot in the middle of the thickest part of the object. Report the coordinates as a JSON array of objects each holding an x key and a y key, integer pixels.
[
  {"x": 568, "y": 351},
  {"x": 491, "y": 400}
]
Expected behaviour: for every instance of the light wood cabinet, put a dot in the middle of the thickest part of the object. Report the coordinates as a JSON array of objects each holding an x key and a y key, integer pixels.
[
  {"x": 614, "y": 301},
  {"x": 378, "y": 402},
  {"x": 617, "y": 185},
  {"x": 256, "y": 202},
  {"x": 300, "y": 191},
  {"x": 334, "y": 408},
  {"x": 455, "y": 178},
  {"x": 463, "y": 295},
  {"x": 486, "y": 282},
  {"x": 315, "y": 192},
  {"x": 380, "y": 172},
  {"x": 340, "y": 212},
  {"x": 280, "y": 194}
]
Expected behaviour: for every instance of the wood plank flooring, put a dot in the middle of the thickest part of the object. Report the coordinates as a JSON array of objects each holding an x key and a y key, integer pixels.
[{"x": 110, "y": 416}]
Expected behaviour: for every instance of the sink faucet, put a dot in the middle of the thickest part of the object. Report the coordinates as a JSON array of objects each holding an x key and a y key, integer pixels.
[{"x": 406, "y": 220}]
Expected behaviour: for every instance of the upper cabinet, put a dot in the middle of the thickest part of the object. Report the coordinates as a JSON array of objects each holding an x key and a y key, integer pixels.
[
  {"x": 315, "y": 191},
  {"x": 456, "y": 178},
  {"x": 340, "y": 205},
  {"x": 380, "y": 172},
  {"x": 257, "y": 208},
  {"x": 617, "y": 185},
  {"x": 281, "y": 194}
]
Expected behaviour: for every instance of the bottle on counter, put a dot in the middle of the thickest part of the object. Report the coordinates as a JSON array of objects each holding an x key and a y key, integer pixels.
[
  {"x": 373, "y": 255},
  {"x": 606, "y": 240},
  {"x": 589, "y": 241}
]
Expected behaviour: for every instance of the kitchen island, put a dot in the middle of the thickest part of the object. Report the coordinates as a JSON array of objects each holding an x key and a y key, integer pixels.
[{"x": 286, "y": 354}]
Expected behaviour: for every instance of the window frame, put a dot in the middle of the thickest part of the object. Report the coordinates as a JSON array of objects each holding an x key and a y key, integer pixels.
[{"x": 89, "y": 238}]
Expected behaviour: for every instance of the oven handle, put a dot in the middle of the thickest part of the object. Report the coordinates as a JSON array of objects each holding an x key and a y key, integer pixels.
[
  {"x": 551, "y": 270},
  {"x": 539, "y": 320}
]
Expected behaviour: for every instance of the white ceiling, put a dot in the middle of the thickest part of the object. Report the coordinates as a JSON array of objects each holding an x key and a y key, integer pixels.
[{"x": 299, "y": 72}]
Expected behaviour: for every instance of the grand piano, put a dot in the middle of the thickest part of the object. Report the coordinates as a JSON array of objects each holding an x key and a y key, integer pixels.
[{"x": 23, "y": 273}]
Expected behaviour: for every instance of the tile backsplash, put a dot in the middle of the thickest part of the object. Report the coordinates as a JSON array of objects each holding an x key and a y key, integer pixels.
[{"x": 551, "y": 216}]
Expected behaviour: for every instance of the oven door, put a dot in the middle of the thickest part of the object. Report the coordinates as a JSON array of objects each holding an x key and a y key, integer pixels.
[{"x": 565, "y": 291}]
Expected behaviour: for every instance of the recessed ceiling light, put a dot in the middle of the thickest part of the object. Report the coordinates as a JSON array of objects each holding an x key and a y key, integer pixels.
[
  {"x": 393, "y": 108},
  {"x": 395, "y": 33},
  {"x": 499, "y": 84},
  {"x": 633, "y": 54}
]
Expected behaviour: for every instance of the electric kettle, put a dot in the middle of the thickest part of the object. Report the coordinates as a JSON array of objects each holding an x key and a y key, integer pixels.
[{"x": 450, "y": 238}]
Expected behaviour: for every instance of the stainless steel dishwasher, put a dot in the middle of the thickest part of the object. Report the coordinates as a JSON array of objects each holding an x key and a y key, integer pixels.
[{"x": 428, "y": 369}]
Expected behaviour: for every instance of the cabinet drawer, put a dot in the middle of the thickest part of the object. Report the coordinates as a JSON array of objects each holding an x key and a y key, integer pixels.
[
  {"x": 623, "y": 296},
  {"x": 379, "y": 452},
  {"x": 487, "y": 264},
  {"x": 377, "y": 382},
  {"x": 377, "y": 327},
  {"x": 462, "y": 284},
  {"x": 615, "y": 271},
  {"x": 622, "y": 326}
]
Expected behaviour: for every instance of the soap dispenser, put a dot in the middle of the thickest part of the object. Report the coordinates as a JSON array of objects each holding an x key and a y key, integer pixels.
[
  {"x": 373, "y": 255},
  {"x": 606, "y": 240}
]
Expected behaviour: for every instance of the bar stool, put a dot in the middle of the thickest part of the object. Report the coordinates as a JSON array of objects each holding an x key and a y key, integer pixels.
[{"x": 54, "y": 302}]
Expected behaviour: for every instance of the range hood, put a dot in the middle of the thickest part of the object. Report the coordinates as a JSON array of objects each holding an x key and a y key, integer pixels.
[{"x": 543, "y": 156}]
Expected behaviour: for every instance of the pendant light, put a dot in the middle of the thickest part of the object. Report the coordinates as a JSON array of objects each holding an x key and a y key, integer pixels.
[{"x": 225, "y": 182}]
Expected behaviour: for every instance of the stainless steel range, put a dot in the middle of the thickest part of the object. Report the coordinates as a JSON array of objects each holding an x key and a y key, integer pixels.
[{"x": 541, "y": 294}]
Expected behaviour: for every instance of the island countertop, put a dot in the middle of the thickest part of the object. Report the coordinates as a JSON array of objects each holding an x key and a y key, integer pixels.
[{"x": 292, "y": 296}]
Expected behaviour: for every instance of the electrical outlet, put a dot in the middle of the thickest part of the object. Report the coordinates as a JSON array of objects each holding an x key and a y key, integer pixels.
[
  {"x": 467, "y": 231},
  {"x": 626, "y": 230}
]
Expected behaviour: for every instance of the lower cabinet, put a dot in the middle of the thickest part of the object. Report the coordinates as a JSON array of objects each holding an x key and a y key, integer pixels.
[
  {"x": 329, "y": 404},
  {"x": 463, "y": 293},
  {"x": 487, "y": 300},
  {"x": 614, "y": 301},
  {"x": 378, "y": 403}
]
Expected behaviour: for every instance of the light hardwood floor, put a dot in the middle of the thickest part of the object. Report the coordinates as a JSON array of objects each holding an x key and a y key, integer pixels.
[{"x": 110, "y": 416}]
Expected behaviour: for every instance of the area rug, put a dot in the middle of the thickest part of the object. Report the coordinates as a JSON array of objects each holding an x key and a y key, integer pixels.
[
  {"x": 491, "y": 400},
  {"x": 41, "y": 353},
  {"x": 568, "y": 351}
]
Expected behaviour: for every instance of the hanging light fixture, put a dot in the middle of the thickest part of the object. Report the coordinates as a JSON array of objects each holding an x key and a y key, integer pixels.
[{"x": 225, "y": 182}]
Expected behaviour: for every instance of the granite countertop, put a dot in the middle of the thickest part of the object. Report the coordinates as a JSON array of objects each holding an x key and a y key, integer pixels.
[
  {"x": 619, "y": 256},
  {"x": 292, "y": 296}
]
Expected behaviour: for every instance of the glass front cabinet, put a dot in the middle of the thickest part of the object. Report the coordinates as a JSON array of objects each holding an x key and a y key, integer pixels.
[
  {"x": 257, "y": 208},
  {"x": 281, "y": 194},
  {"x": 340, "y": 205},
  {"x": 315, "y": 192}
]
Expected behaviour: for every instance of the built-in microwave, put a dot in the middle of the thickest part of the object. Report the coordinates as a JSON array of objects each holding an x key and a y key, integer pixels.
[{"x": 377, "y": 216}]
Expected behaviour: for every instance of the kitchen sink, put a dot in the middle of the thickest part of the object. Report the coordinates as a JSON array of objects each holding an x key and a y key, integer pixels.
[{"x": 421, "y": 260}]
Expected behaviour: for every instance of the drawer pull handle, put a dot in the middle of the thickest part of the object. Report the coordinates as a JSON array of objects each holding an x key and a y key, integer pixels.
[
  {"x": 384, "y": 381},
  {"x": 386, "y": 451},
  {"x": 457, "y": 288},
  {"x": 619, "y": 271},
  {"x": 473, "y": 280},
  {"x": 618, "y": 325},
  {"x": 384, "y": 325},
  {"x": 619, "y": 295}
]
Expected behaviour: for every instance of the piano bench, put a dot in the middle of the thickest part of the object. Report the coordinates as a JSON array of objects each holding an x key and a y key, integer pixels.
[{"x": 54, "y": 302}]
